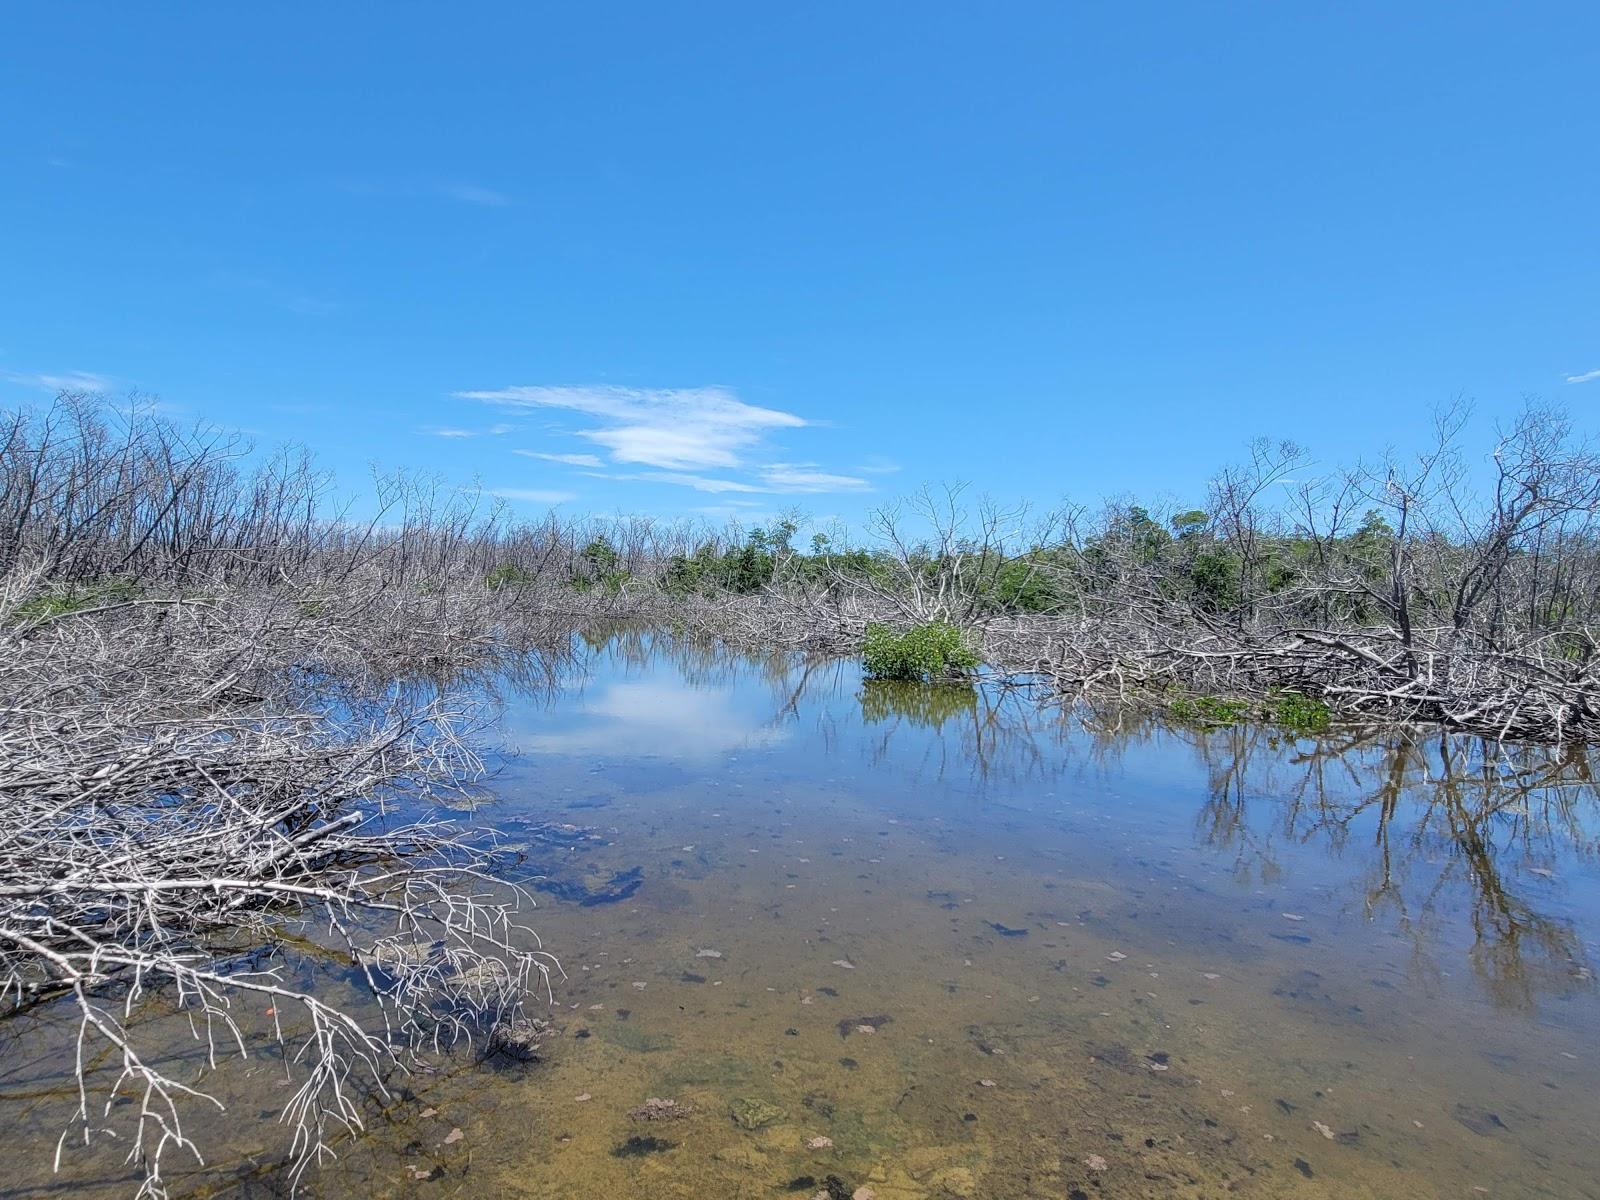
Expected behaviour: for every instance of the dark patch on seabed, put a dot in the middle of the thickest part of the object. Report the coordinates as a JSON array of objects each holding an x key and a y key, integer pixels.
[
  {"x": 639, "y": 1146},
  {"x": 620, "y": 886}
]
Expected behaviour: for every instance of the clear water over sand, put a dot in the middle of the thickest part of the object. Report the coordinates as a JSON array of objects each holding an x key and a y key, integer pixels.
[{"x": 987, "y": 951}]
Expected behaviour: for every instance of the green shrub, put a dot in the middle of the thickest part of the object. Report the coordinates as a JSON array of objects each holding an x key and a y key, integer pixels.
[
  {"x": 925, "y": 651},
  {"x": 1210, "y": 710},
  {"x": 506, "y": 575},
  {"x": 75, "y": 598},
  {"x": 611, "y": 582},
  {"x": 1291, "y": 710},
  {"x": 1297, "y": 713}
]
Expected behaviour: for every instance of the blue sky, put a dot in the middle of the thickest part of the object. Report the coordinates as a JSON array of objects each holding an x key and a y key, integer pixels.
[{"x": 730, "y": 259}]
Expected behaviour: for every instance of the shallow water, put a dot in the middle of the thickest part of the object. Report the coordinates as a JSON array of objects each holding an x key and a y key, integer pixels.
[{"x": 993, "y": 951}]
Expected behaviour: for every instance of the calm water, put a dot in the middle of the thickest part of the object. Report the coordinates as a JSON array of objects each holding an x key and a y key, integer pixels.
[{"x": 992, "y": 952}]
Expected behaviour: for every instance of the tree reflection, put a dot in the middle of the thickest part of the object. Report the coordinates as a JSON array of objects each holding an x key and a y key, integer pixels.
[
  {"x": 1444, "y": 832},
  {"x": 928, "y": 705},
  {"x": 1448, "y": 816},
  {"x": 1457, "y": 843}
]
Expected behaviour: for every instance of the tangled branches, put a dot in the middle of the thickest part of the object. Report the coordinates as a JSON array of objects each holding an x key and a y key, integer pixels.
[{"x": 190, "y": 782}]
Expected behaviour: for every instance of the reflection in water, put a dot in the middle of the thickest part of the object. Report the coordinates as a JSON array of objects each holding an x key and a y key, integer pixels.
[
  {"x": 652, "y": 719},
  {"x": 884, "y": 701},
  {"x": 940, "y": 941},
  {"x": 1432, "y": 825},
  {"x": 1439, "y": 815}
]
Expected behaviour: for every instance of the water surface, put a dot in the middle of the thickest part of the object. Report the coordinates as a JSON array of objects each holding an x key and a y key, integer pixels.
[{"x": 990, "y": 950}]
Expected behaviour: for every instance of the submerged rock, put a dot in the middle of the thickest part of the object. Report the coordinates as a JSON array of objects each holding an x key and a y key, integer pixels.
[
  {"x": 754, "y": 1114},
  {"x": 1480, "y": 1120},
  {"x": 638, "y": 1147},
  {"x": 954, "y": 1181},
  {"x": 863, "y": 1024},
  {"x": 521, "y": 1039},
  {"x": 620, "y": 886},
  {"x": 657, "y": 1109}
]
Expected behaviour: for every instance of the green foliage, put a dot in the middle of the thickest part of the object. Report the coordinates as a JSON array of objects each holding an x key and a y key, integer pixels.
[
  {"x": 43, "y": 607},
  {"x": 1214, "y": 575},
  {"x": 1021, "y": 586},
  {"x": 601, "y": 557},
  {"x": 1298, "y": 713},
  {"x": 611, "y": 583},
  {"x": 1210, "y": 710},
  {"x": 740, "y": 569},
  {"x": 506, "y": 576},
  {"x": 927, "y": 651},
  {"x": 74, "y": 599},
  {"x": 600, "y": 566},
  {"x": 1293, "y": 711}
]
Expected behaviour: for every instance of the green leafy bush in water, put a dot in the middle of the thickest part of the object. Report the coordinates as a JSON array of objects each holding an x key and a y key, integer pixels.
[
  {"x": 1301, "y": 714},
  {"x": 1210, "y": 710},
  {"x": 1293, "y": 711},
  {"x": 925, "y": 651}
]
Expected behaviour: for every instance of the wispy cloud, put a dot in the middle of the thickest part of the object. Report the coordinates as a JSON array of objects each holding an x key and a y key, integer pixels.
[
  {"x": 782, "y": 479},
  {"x": 733, "y": 508},
  {"x": 468, "y": 193},
  {"x": 310, "y": 306},
  {"x": 460, "y": 191},
  {"x": 1586, "y": 377},
  {"x": 677, "y": 429},
  {"x": 65, "y": 381},
  {"x": 804, "y": 477},
  {"x": 447, "y": 431},
  {"x": 702, "y": 438},
  {"x": 700, "y": 483},
  {"x": 571, "y": 460},
  {"x": 533, "y": 495}
]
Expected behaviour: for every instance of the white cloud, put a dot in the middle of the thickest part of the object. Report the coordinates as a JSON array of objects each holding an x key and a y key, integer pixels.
[
  {"x": 803, "y": 477},
  {"x": 1586, "y": 377},
  {"x": 571, "y": 460},
  {"x": 452, "y": 432},
  {"x": 677, "y": 429},
  {"x": 700, "y": 483},
  {"x": 468, "y": 193},
  {"x": 412, "y": 189},
  {"x": 780, "y": 479},
  {"x": 67, "y": 381},
  {"x": 744, "y": 509},
  {"x": 684, "y": 433},
  {"x": 533, "y": 495}
]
